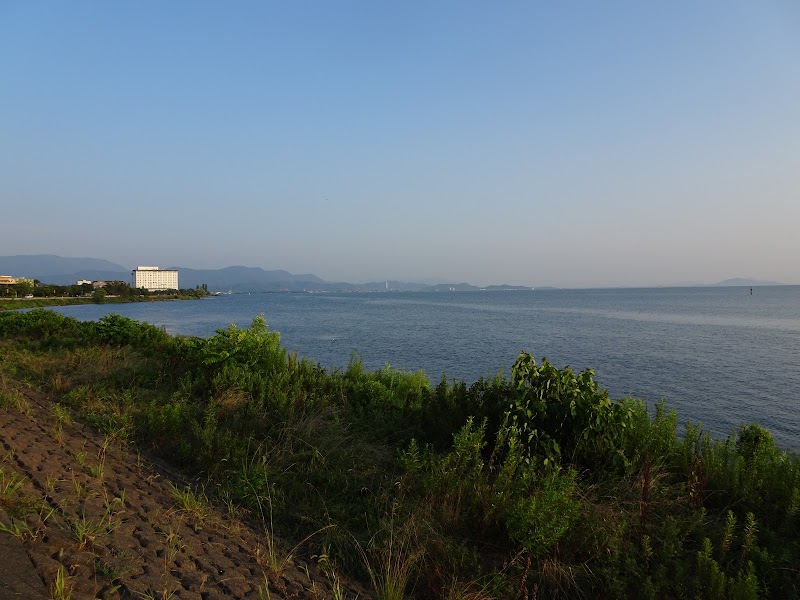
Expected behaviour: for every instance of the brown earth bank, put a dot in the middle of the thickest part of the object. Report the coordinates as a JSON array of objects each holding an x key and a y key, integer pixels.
[{"x": 86, "y": 516}]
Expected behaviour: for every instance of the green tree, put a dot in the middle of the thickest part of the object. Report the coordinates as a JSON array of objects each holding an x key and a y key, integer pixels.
[{"x": 24, "y": 287}]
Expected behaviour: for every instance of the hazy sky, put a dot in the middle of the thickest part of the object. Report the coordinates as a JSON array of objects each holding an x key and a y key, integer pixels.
[{"x": 535, "y": 143}]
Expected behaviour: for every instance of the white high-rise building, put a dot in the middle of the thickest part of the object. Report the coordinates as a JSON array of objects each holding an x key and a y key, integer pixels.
[{"x": 153, "y": 278}]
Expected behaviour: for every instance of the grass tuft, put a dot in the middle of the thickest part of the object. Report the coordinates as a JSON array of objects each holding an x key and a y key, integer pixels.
[{"x": 61, "y": 588}]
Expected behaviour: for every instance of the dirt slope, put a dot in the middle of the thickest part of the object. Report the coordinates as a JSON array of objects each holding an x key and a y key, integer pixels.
[{"x": 99, "y": 520}]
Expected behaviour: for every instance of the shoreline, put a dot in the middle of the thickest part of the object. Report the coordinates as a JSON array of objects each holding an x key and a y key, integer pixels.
[{"x": 19, "y": 303}]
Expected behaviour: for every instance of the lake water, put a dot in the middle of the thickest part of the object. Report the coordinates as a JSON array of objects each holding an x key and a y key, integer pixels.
[{"x": 720, "y": 356}]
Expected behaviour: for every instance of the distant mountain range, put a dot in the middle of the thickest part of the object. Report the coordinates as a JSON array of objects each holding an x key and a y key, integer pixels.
[
  {"x": 733, "y": 282},
  {"x": 746, "y": 282},
  {"x": 59, "y": 270},
  {"x": 247, "y": 279}
]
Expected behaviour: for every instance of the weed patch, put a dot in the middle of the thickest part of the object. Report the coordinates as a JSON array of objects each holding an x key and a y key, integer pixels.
[{"x": 536, "y": 485}]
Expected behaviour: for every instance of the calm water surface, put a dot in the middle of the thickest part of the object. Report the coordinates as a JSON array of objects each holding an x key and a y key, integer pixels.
[{"x": 718, "y": 355}]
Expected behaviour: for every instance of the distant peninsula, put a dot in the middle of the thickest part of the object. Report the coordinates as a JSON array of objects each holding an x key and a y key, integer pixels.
[{"x": 746, "y": 281}]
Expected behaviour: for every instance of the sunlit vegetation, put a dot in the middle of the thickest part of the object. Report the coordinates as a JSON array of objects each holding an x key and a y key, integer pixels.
[{"x": 533, "y": 486}]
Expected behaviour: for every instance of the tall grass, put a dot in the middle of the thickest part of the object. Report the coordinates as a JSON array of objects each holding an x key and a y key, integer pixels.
[{"x": 537, "y": 485}]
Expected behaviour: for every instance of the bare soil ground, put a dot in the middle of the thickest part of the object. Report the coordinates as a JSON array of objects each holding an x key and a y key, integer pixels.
[{"x": 100, "y": 520}]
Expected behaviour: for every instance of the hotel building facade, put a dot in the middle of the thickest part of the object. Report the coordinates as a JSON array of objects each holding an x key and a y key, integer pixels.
[{"x": 153, "y": 278}]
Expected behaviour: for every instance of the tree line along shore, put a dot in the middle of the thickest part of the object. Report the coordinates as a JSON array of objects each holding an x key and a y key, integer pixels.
[
  {"x": 35, "y": 294},
  {"x": 537, "y": 485}
]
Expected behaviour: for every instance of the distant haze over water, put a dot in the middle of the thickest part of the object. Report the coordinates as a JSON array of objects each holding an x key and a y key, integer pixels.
[{"x": 720, "y": 356}]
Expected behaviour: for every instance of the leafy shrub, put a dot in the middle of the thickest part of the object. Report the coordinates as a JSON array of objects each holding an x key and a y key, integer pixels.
[
  {"x": 564, "y": 416},
  {"x": 242, "y": 358},
  {"x": 43, "y": 325},
  {"x": 120, "y": 331}
]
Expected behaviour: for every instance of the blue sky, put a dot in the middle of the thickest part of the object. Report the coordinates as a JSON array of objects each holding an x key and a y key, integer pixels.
[{"x": 594, "y": 144}]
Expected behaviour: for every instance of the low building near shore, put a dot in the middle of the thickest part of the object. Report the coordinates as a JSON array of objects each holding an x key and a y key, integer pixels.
[{"x": 9, "y": 280}]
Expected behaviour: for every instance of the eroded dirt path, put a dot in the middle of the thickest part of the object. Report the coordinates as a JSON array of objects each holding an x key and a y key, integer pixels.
[{"x": 96, "y": 516}]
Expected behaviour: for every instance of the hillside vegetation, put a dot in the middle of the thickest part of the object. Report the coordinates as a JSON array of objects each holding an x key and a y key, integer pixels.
[{"x": 533, "y": 486}]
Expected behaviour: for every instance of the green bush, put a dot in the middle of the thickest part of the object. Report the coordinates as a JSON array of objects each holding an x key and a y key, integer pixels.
[
  {"x": 567, "y": 417},
  {"x": 43, "y": 325},
  {"x": 505, "y": 493},
  {"x": 121, "y": 331}
]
